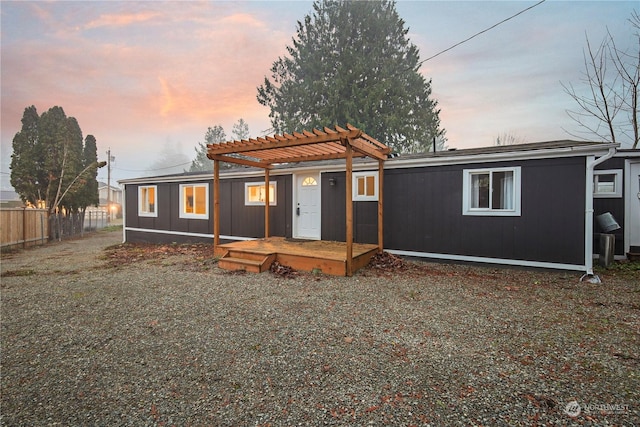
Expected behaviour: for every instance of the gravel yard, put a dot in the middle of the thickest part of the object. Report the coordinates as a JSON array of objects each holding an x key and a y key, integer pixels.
[{"x": 142, "y": 336}]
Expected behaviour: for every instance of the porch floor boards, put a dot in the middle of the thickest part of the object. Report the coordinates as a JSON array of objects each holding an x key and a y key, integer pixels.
[{"x": 303, "y": 255}]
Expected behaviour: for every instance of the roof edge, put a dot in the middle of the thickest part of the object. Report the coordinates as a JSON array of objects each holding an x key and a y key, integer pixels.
[{"x": 552, "y": 149}]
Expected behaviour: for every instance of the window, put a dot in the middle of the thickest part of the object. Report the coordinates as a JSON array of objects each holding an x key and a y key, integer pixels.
[
  {"x": 147, "y": 203},
  {"x": 309, "y": 181},
  {"x": 194, "y": 201},
  {"x": 492, "y": 192},
  {"x": 254, "y": 193},
  {"x": 607, "y": 183},
  {"x": 365, "y": 186}
]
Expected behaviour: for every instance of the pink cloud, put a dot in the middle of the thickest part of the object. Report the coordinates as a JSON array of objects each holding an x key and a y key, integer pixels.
[
  {"x": 197, "y": 66},
  {"x": 120, "y": 20},
  {"x": 244, "y": 19}
]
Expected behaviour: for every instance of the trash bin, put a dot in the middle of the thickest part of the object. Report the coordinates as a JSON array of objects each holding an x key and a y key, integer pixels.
[
  {"x": 607, "y": 249},
  {"x": 607, "y": 222}
]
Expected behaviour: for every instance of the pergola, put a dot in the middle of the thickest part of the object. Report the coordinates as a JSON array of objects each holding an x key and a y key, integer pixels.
[{"x": 326, "y": 144}]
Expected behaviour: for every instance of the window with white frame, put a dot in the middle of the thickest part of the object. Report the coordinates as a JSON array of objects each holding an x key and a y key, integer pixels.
[
  {"x": 607, "y": 183},
  {"x": 194, "y": 201},
  {"x": 491, "y": 192},
  {"x": 365, "y": 186},
  {"x": 254, "y": 193},
  {"x": 147, "y": 200}
]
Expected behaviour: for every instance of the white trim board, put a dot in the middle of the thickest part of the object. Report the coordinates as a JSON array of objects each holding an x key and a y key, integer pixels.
[
  {"x": 488, "y": 260},
  {"x": 185, "y": 233}
]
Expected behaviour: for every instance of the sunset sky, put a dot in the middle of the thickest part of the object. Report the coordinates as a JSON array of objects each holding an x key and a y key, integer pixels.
[{"x": 147, "y": 77}]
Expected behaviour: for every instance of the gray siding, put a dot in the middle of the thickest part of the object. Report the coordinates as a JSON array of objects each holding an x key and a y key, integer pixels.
[
  {"x": 236, "y": 219},
  {"x": 423, "y": 213}
]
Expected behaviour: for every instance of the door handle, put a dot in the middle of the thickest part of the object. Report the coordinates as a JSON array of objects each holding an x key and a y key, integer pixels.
[{"x": 298, "y": 211}]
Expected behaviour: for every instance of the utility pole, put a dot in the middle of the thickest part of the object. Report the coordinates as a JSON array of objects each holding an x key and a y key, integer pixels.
[{"x": 109, "y": 185}]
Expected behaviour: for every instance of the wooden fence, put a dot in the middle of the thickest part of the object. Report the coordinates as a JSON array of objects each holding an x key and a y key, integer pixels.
[{"x": 23, "y": 227}]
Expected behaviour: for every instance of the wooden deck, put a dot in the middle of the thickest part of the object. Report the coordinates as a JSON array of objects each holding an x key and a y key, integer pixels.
[{"x": 303, "y": 255}]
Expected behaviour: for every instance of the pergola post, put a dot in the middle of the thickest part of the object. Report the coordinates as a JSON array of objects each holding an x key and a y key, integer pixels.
[
  {"x": 216, "y": 204},
  {"x": 267, "y": 202},
  {"x": 380, "y": 205},
  {"x": 349, "y": 206}
]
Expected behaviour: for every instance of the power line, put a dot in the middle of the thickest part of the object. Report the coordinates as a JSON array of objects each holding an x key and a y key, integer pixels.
[
  {"x": 481, "y": 32},
  {"x": 131, "y": 170},
  {"x": 152, "y": 170}
]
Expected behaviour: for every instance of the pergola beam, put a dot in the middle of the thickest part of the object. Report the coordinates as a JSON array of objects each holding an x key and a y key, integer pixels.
[
  {"x": 243, "y": 162},
  {"x": 367, "y": 150},
  {"x": 315, "y": 157}
]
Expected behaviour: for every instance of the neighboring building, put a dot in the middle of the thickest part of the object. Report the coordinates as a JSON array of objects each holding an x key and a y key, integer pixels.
[
  {"x": 116, "y": 199},
  {"x": 526, "y": 205},
  {"x": 10, "y": 199}
]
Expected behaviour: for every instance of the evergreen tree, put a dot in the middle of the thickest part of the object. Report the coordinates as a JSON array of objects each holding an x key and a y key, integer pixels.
[
  {"x": 49, "y": 162},
  {"x": 56, "y": 140},
  {"x": 88, "y": 182},
  {"x": 352, "y": 62},
  {"x": 28, "y": 177},
  {"x": 214, "y": 135},
  {"x": 170, "y": 159},
  {"x": 240, "y": 130},
  {"x": 71, "y": 184}
]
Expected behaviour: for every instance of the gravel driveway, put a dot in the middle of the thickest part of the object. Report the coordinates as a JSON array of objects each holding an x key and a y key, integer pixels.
[{"x": 170, "y": 339}]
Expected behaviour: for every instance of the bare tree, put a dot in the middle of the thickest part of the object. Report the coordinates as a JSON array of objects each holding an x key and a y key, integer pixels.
[
  {"x": 628, "y": 67},
  {"x": 609, "y": 109},
  {"x": 509, "y": 139}
]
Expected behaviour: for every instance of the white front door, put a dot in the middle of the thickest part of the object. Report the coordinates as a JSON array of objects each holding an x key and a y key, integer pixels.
[
  {"x": 307, "y": 206},
  {"x": 633, "y": 210}
]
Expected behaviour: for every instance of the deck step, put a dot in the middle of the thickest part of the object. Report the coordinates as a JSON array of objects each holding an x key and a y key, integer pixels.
[
  {"x": 255, "y": 256},
  {"x": 239, "y": 262}
]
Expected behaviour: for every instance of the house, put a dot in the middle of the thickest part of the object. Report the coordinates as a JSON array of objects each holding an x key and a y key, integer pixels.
[
  {"x": 527, "y": 205},
  {"x": 110, "y": 198},
  {"x": 10, "y": 199}
]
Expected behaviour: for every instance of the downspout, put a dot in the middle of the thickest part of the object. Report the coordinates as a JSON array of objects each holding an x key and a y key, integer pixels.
[
  {"x": 124, "y": 214},
  {"x": 588, "y": 215}
]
